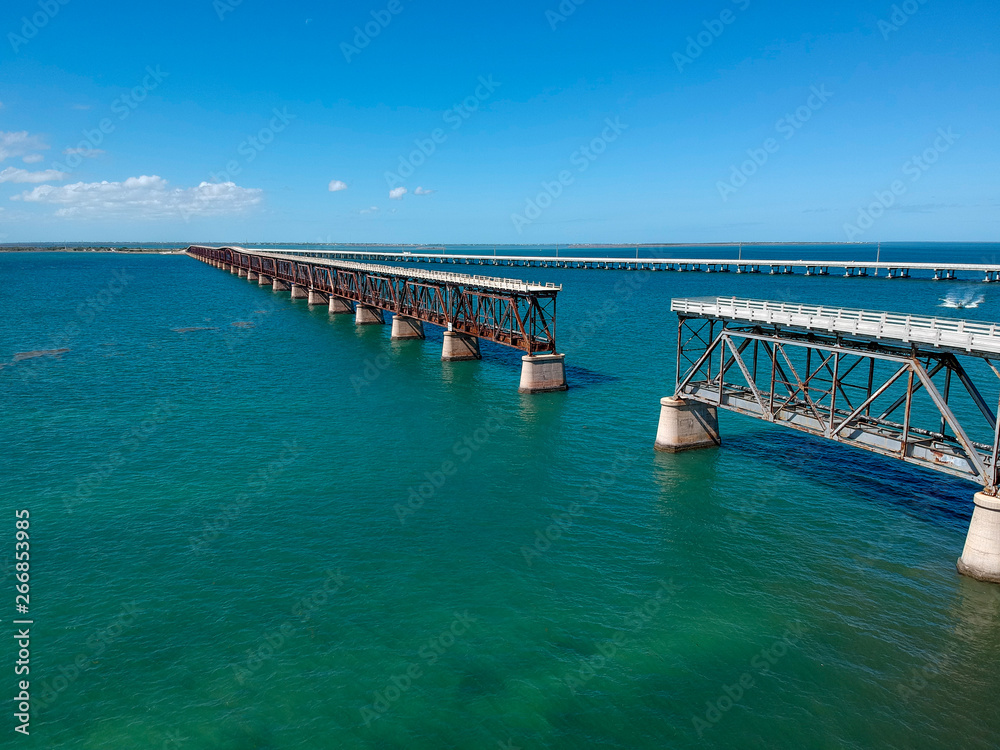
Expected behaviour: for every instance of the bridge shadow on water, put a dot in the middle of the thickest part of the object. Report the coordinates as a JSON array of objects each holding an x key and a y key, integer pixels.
[{"x": 922, "y": 493}]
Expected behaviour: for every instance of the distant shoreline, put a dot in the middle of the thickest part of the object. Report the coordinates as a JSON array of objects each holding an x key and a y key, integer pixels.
[{"x": 79, "y": 249}]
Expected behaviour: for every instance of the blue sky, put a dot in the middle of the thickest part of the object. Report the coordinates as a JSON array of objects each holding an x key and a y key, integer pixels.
[{"x": 540, "y": 122}]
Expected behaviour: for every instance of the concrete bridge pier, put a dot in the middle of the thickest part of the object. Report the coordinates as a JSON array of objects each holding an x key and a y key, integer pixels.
[
  {"x": 251, "y": 275},
  {"x": 459, "y": 347},
  {"x": 542, "y": 373},
  {"x": 340, "y": 306},
  {"x": 981, "y": 557},
  {"x": 686, "y": 425},
  {"x": 277, "y": 285},
  {"x": 263, "y": 280},
  {"x": 365, "y": 315},
  {"x": 242, "y": 273},
  {"x": 299, "y": 292},
  {"x": 317, "y": 298},
  {"x": 406, "y": 328}
]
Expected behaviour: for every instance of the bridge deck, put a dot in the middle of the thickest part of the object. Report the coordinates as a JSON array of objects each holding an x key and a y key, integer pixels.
[
  {"x": 493, "y": 283},
  {"x": 970, "y": 337}
]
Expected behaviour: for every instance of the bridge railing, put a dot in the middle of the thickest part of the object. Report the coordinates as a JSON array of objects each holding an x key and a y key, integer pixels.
[{"x": 970, "y": 336}]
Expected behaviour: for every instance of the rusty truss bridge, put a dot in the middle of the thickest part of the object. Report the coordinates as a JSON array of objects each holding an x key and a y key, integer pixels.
[
  {"x": 514, "y": 313},
  {"x": 903, "y": 386}
]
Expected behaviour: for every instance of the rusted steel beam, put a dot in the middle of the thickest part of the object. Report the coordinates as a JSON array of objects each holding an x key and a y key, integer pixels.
[{"x": 511, "y": 313}]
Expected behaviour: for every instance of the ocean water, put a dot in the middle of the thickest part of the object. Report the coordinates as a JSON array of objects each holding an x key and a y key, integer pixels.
[{"x": 255, "y": 525}]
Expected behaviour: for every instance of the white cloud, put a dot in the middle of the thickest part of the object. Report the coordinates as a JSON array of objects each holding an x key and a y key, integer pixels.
[
  {"x": 372, "y": 210},
  {"x": 32, "y": 158},
  {"x": 337, "y": 185},
  {"x": 397, "y": 193},
  {"x": 146, "y": 197},
  {"x": 85, "y": 151},
  {"x": 421, "y": 191},
  {"x": 13, "y": 174},
  {"x": 18, "y": 143}
]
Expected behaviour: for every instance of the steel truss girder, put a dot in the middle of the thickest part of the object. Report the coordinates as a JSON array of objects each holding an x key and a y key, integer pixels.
[
  {"x": 808, "y": 401},
  {"x": 522, "y": 320}
]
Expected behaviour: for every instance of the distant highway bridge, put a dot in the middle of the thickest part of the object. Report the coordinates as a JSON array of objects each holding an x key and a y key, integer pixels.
[{"x": 889, "y": 269}]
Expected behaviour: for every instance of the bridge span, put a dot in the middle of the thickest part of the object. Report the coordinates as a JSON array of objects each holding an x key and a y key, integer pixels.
[
  {"x": 904, "y": 386},
  {"x": 939, "y": 271},
  {"x": 517, "y": 314}
]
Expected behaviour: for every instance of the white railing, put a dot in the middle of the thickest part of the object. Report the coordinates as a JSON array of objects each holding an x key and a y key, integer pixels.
[
  {"x": 492, "y": 282},
  {"x": 948, "y": 332}
]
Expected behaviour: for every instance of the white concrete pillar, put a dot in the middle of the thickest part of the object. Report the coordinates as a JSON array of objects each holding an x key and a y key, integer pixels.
[
  {"x": 459, "y": 347},
  {"x": 263, "y": 280},
  {"x": 407, "y": 328},
  {"x": 278, "y": 285},
  {"x": 299, "y": 292},
  {"x": 242, "y": 273},
  {"x": 339, "y": 306},
  {"x": 251, "y": 275},
  {"x": 365, "y": 315},
  {"x": 317, "y": 298},
  {"x": 541, "y": 373},
  {"x": 981, "y": 557},
  {"x": 686, "y": 425}
]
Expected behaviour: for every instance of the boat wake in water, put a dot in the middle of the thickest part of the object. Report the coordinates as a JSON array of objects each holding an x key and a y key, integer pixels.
[{"x": 962, "y": 300}]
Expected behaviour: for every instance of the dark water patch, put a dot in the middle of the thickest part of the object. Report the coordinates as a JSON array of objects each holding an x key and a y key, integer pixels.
[
  {"x": 194, "y": 328},
  {"x": 20, "y": 356}
]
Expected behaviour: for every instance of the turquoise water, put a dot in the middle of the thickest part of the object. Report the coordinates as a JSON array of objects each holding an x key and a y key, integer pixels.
[{"x": 223, "y": 555}]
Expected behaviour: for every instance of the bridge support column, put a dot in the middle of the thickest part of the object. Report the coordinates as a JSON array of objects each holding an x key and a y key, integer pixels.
[
  {"x": 459, "y": 347},
  {"x": 542, "y": 373},
  {"x": 251, "y": 275},
  {"x": 277, "y": 285},
  {"x": 407, "y": 328},
  {"x": 339, "y": 306},
  {"x": 263, "y": 280},
  {"x": 242, "y": 273},
  {"x": 299, "y": 292},
  {"x": 686, "y": 425},
  {"x": 981, "y": 557},
  {"x": 317, "y": 298},
  {"x": 366, "y": 315}
]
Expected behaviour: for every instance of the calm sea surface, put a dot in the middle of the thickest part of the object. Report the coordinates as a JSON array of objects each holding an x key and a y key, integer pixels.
[{"x": 224, "y": 556}]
